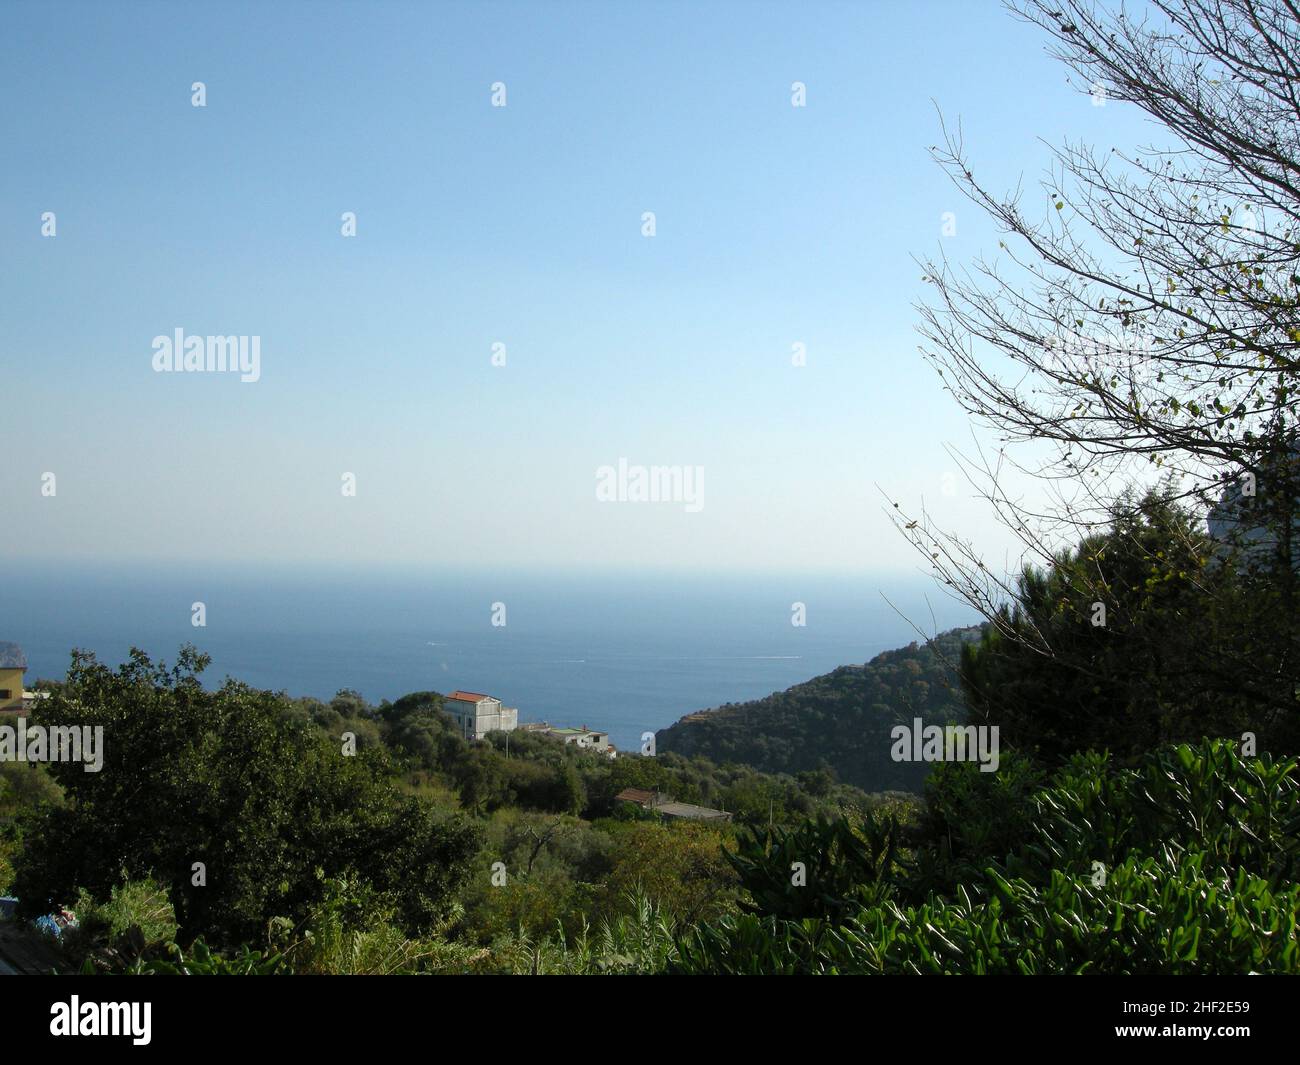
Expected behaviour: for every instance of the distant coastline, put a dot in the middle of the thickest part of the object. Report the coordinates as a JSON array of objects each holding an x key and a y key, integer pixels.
[{"x": 627, "y": 658}]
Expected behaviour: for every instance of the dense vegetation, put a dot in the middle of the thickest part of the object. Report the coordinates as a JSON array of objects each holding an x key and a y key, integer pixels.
[
  {"x": 1146, "y": 633},
  {"x": 1185, "y": 864},
  {"x": 343, "y": 836},
  {"x": 1185, "y": 861},
  {"x": 839, "y": 722},
  {"x": 241, "y": 811}
]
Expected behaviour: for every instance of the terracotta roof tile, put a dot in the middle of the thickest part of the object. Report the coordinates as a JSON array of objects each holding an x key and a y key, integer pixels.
[{"x": 636, "y": 795}]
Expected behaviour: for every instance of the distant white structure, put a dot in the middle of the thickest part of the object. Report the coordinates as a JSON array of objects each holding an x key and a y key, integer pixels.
[
  {"x": 1251, "y": 522},
  {"x": 587, "y": 739},
  {"x": 477, "y": 714}
]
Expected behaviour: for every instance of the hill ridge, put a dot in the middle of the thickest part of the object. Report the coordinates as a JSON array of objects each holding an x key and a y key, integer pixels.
[{"x": 839, "y": 720}]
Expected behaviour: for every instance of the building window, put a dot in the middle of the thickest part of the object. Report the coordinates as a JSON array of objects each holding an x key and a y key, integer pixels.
[{"x": 5, "y": 693}]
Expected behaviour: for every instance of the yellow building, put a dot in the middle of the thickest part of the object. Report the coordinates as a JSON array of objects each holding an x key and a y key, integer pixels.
[{"x": 13, "y": 664}]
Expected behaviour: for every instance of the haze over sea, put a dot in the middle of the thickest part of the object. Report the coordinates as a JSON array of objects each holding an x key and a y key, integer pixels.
[{"x": 623, "y": 652}]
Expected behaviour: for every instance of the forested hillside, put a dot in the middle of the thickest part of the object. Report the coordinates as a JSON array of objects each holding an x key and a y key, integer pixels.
[
  {"x": 299, "y": 835},
  {"x": 840, "y": 720}
]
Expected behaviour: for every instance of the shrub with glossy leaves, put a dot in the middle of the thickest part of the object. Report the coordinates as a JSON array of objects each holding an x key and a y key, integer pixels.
[{"x": 1185, "y": 864}]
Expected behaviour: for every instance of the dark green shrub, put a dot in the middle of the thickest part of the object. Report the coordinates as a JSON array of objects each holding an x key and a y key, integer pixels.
[{"x": 1185, "y": 864}]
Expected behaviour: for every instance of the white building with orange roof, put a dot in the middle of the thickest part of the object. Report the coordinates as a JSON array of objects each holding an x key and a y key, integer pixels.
[{"x": 477, "y": 714}]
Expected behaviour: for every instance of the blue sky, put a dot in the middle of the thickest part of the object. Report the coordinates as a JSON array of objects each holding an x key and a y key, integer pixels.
[{"x": 521, "y": 225}]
